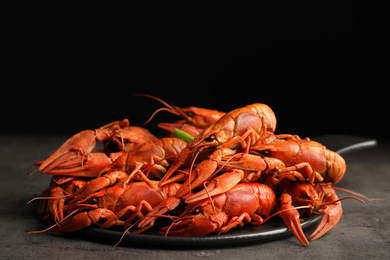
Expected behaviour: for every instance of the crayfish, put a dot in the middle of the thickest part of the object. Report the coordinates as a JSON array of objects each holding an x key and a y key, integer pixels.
[{"x": 234, "y": 171}]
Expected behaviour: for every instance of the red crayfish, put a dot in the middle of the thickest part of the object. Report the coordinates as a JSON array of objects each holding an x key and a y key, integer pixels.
[{"x": 236, "y": 170}]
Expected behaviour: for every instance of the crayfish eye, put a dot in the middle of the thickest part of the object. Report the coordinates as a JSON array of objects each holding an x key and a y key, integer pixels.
[
  {"x": 265, "y": 153},
  {"x": 195, "y": 211},
  {"x": 222, "y": 171},
  {"x": 189, "y": 113},
  {"x": 92, "y": 200},
  {"x": 210, "y": 138}
]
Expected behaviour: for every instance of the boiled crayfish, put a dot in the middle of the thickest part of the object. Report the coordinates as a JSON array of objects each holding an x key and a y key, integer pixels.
[{"x": 236, "y": 170}]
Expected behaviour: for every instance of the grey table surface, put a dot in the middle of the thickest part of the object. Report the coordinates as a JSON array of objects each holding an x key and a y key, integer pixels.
[{"x": 363, "y": 231}]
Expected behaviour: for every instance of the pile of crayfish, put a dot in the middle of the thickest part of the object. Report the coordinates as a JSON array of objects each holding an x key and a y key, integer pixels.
[{"x": 217, "y": 171}]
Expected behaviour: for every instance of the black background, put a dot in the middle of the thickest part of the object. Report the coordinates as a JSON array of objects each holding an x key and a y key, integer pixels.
[{"x": 321, "y": 67}]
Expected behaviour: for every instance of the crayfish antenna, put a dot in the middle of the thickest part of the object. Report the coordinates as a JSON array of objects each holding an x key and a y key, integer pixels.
[
  {"x": 44, "y": 198},
  {"x": 168, "y": 107},
  {"x": 154, "y": 113},
  {"x": 53, "y": 226},
  {"x": 356, "y": 194},
  {"x": 36, "y": 164},
  {"x": 124, "y": 233},
  {"x": 155, "y": 98}
]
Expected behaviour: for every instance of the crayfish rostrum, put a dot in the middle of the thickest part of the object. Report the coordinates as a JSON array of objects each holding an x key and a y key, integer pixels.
[{"x": 235, "y": 171}]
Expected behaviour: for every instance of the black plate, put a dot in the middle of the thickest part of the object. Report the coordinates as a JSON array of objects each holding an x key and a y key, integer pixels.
[
  {"x": 271, "y": 230},
  {"x": 248, "y": 234}
]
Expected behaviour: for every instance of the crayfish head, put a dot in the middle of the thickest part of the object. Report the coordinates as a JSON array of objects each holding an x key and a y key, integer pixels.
[
  {"x": 216, "y": 134},
  {"x": 304, "y": 194},
  {"x": 105, "y": 132}
]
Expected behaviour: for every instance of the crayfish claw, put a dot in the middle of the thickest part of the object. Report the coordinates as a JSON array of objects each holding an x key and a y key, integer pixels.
[
  {"x": 76, "y": 158},
  {"x": 218, "y": 185},
  {"x": 322, "y": 228},
  {"x": 290, "y": 217},
  {"x": 196, "y": 226},
  {"x": 83, "y": 220},
  {"x": 78, "y": 145},
  {"x": 332, "y": 215}
]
